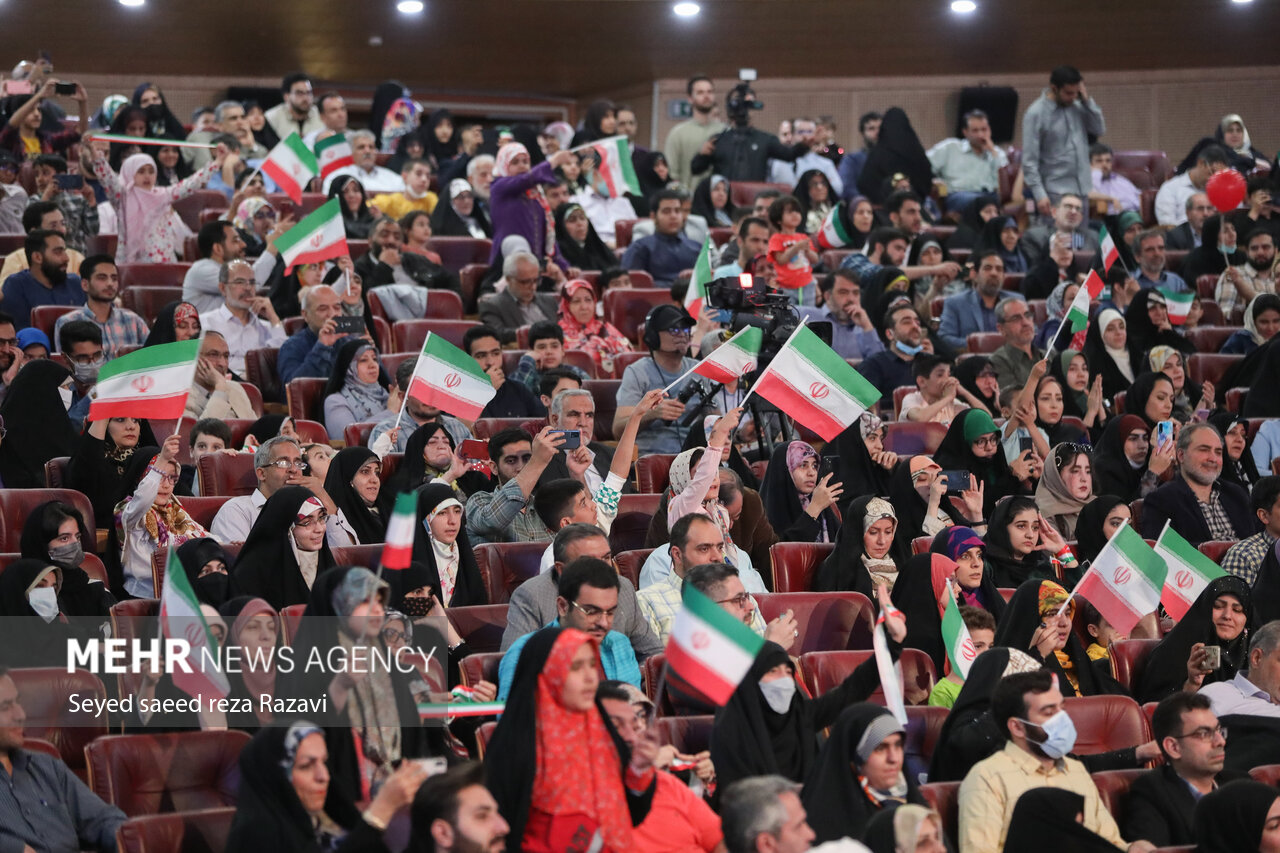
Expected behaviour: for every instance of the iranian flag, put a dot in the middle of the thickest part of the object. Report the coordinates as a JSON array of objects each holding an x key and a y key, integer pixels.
[
  {"x": 320, "y": 236},
  {"x": 617, "y": 175},
  {"x": 181, "y": 619},
  {"x": 1125, "y": 580},
  {"x": 810, "y": 382},
  {"x": 1189, "y": 572},
  {"x": 1078, "y": 313},
  {"x": 449, "y": 710},
  {"x": 1109, "y": 250},
  {"x": 836, "y": 230},
  {"x": 448, "y": 379},
  {"x": 1178, "y": 304},
  {"x": 332, "y": 154},
  {"x": 695, "y": 298},
  {"x": 890, "y": 671},
  {"x": 955, "y": 635},
  {"x": 291, "y": 165},
  {"x": 709, "y": 651},
  {"x": 734, "y": 358},
  {"x": 152, "y": 382},
  {"x": 397, "y": 550}
]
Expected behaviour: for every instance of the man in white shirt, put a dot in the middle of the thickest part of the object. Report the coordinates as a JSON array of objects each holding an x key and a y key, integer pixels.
[
  {"x": 1171, "y": 199},
  {"x": 219, "y": 242},
  {"x": 1254, "y": 692},
  {"x": 297, "y": 114},
  {"x": 968, "y": 167},
  {"x": 374, "y": 178},
  {"x": 247, "y": 321},
  {"x": 278, "y": 463},
  {"x": 333, "y": 114}
]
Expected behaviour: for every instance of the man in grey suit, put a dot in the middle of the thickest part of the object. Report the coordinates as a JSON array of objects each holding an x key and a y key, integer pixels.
[
  {"x": 519, "y": 304},
  {"x": 974, "y": 310},
  {"x": 1068, "y": 220}
]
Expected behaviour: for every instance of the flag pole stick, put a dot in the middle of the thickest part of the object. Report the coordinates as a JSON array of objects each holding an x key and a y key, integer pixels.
[
  {"x": 682, "y": 377},
  {"x": 194, "y": 366},
  {"x": 1072, "y": 594}
]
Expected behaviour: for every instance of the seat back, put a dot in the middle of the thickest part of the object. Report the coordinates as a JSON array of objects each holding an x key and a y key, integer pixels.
[
  {"x": 146, "y": 302},
  {"x": 480, "y": 625},
  {"x": 480, "y": 667},
  {"x": 484, "y": 734},
  {"x": 55, "y": 472},
  {"x": 689, "y": 735},
  {"x": 907, "y": 438},
  {"x": 408, "y": 335},
  {"x": 827, "y": 621},
  {"x": 795, "y": 564},
  {"x": 653, "y": 472},
  {"x": 945, "y": 799},
  {"x": 1106, "y": 723},
  {"x": 260, "y": 369},
  {"x": 306, "y": 398},
  {"x": 1209, "y": 339},
  {"x": 1266, "y": 773},
  {"x": 46, "y": 698},
  {"x": 290, "y": 621},
  {"x": 605, "y": 393},
  {"x": 1210, "y": 366},
  {"x": 1129, "y": 661},
  {"x": 985, "y": 342},
  {"x": 154, "y": 773},
  {"x": 153, "y": 275},
  {"x": 822, "y": 671},
  {"x": 45, "y": 317},
  {"x": 506, "y": 565},
  {"x": 630, "y": 563},
  {"x": 627, "y": 307},
  {"x": 358, "y": 555},
  {"x": 1113, "y": 788},
  {"x": 456, "y": 252},
  {"x": 203, "y": 831},
  {"x": 17, "y": 504},
  {"x": 226, "y": 474},
  {"x": 133, "y": 619},
  {"x": 1216, "y": 549}
]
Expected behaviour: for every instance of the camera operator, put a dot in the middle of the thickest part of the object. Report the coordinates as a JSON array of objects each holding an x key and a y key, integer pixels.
[{"x": 742, "y": 152}]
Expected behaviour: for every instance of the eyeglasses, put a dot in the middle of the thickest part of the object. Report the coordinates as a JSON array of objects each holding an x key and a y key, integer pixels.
[
  {"x": 171, "y": 479},
  {"x": 739, "y": 600},
  {"x": 391, "y": 635},
  {"x": 242, "y": 282},
  {"x": 1204, "y": 733},
  {"x": 592, "y": 612},
  {"x": 987, "y": 441},
  {"x": 1016, "y": 318},
  {"x": 224, "y": 355},
  {"x": 306, "y": 523},
  {"x": 284, "y": 464},
  {"x": 97, "y": 358},
  {"x": 680, "y": 333},
  {"x": 8, "y": 342}
]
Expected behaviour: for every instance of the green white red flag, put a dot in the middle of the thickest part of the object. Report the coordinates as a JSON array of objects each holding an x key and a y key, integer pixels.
[
  {"x": 960, "y": 649},
  {"x": 1078, "y": 313},
  {"x": 1125, "y": 580},
  {"x": 1188, "y": 572},
  {"x": 181, "y": 619},
  {"x": 709, "y": 652},
  {"x": 734, "y": 358},
  {"x": 810, "y": 382},
  {"x": 319, "y": 236},
  {"x": 448, "y": 379},
  {"x": 695, "y": 298},
  {"x": 152, "y": 382},
  {"x": 291, "y": 165},
  {"x": 616, "y": 174},
  {"x": 836, "y": 231},
  {"x": 397, "y": 549},
  {"x": 1108, "y": 249},
  {"x": 1178, "y": 305},
  {"x": 333, "y": 154}
]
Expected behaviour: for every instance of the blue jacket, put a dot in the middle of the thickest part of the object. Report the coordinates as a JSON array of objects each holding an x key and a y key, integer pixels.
[{"x": 964, "y": 314}]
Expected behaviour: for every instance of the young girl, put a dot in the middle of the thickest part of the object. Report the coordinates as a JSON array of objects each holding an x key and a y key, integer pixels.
[
  {"x": 416, "y": 225},
  {"x": 791, "y": 250}
]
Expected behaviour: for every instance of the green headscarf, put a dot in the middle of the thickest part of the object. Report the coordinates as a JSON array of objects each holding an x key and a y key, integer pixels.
[{"x": 978, "y": 424}]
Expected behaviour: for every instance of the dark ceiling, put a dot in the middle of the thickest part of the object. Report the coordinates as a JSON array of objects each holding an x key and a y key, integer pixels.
[{"x": 574, "y": 48}]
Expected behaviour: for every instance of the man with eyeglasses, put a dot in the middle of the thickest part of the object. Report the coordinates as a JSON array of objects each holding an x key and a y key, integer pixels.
[
  {"x": 246, "y": 321},
  {"x": 587, "y": 599},
  {"x": 277, "y": 463},
  {"x": 1161, "y": 801},
  {"x": 519, "y": 304},
  {"x": 80, "y": 342},
  {"x": 100, "y": 280},
  {"x": 1069, "y": 221},
  {"x": 218, "y": 243},
  {"x": 214, "y": 394},
  {"x": 1015, "y": 357}
]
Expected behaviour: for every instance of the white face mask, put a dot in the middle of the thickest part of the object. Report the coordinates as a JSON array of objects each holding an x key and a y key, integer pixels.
[
  {"x": 779, "y": 693},
  {"x": 44, "y": 601},
  {"x": 65, "y": 394}
]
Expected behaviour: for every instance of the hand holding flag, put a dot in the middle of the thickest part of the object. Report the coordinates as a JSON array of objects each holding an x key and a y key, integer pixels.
[{"x": 1125, "y": 580}]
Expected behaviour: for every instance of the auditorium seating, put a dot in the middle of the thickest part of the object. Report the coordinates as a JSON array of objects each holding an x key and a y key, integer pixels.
[
  {"x": 629, "y": 563},
  {"x": 260, "y": 369},
  {"x": 795, "y": 563},
  {"x": 152, "y": 275},
  {"x": 1113, "y": 789},
  {"x": 357, "y": 434},
  {"x": 1105, "y": 723},
  {"x": 689, "y": 735},
  {"x": 92, "y": 565},
  {"x": 441, "y": 305},
  {"x": 827, "y": 621},
  {"x": 46, "y": 699},
  {"x": 924, "y": 726},
  {"x": 984, "y": 342},
  {"x": 160, "y": 557},
  {"x": 1129, "y": 660},
  {"x": 480, "y": 626},
  {"x": 203, "y": 831},
  {"x": 899, "y": 394},
  {"x": 945, "y": 799},
  {"x": 908, "y": 438},
  {"x": 480, "y": 667},
  {"x": 921, "y": 544},
  {"x": 306, "y": 398},
  {"x": 1209, "y": 339},
  {"x": 1216, "y": 549},
  {"x": 506, "y": 565},
  {"x": 357, "y": 555},
  {"x": 630, "y": 529},
  {"x": 1202, "y": 366},
  {"x": 1266, "y": 773},
  {"x": 154, "y": 773},
  {"x": 653, "y": 472},
  {"x": 456, "y": 252},
  {"x": 484, "y": 734},
  {"x": 290, "y": 621},
  {"x": 823, "y": 671},
  {"x": 605, "y": 393},
  {"x": 44, "y": 317},
  {"x": 408, "y": 335},
  {"x": 224, "y": 474},
  {"x": 55, "y": 472},
  {"x": 17, "y": 504},
  {"x": 626, "y": 307}
]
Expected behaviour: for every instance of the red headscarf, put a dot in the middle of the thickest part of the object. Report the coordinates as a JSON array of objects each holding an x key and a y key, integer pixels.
[
  {"x": 578, "y": 767},
  {"x": 596, "y": 336}
]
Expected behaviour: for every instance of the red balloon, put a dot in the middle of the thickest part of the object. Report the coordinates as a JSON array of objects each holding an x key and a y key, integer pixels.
[{"x": 1226, "y": 190}]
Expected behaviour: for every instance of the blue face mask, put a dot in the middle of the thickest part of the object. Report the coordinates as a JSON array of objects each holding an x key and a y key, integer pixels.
[
  {"x": 907, "y": 349},
  {"x": 1226, "y": 250},
  {"x": 1059, "y": 735}
]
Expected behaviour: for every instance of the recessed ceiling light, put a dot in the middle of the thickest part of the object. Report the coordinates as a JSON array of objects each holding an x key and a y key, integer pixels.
[
  {"x": 410, "y": 7},
  {"x": 686, "y": 9},
  {"x": 132, "y": 2},
  {"x": 963, "y": 7},
  {"x": 1242, "y": 2}
]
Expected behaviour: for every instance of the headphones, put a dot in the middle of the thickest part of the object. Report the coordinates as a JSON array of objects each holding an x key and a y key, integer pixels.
[{"x": 650, "y": 337}]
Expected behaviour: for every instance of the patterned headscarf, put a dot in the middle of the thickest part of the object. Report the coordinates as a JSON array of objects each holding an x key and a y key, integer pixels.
[
  {"x": 960, "y": 539},
  {"x": 869, "y": 424},
  {"x": 247, "y": 210},
  {"x": 506, "y": 154},
  {"x": 1052, "y": 596}
]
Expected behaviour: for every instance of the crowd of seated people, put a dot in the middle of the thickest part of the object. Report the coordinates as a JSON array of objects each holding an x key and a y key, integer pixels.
[{"x": 556, "y": 536}]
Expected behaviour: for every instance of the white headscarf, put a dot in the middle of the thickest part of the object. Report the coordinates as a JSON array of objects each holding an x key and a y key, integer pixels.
[{"x": 1120, "y": 356}]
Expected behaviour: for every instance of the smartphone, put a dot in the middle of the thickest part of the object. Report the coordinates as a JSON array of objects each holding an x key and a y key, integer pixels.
[
  {"x": 61, "y": 88},
  {"x": 825, "y": 467},
  {"x": 957, "y": 481},
  {"x": 1024, "y": 444},
  {"x": 1212, "y": 657},
  {"x": 572, "y": 439},
  {"x": 474, "y": 448},
  {"x": 347, "y": 325},
  {"x": 433, "y": 766},
  {"x": 69, "y": 182},
  {"x": 1164, "y": 433}
]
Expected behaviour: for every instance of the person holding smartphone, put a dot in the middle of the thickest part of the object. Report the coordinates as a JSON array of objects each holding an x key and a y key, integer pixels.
[{"x": 23, "y": 136}]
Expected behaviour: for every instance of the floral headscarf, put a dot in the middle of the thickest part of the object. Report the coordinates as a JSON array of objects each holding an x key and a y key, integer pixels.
[
  {"x": 597, "y": 337},
  {"x": 247, "y": 210}
]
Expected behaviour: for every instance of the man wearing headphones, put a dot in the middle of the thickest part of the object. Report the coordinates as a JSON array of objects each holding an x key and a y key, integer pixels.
[{"x": 667, "y": 331}]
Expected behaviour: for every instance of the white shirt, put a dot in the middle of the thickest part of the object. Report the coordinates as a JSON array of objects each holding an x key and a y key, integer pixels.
[
  {"x": 200, "y": 285},
  {"x": 379, "y": 180},
  {"x": 657, "y": 567},
  {"x": 234, "y": 521},
  {"x": 782, "y": 172},
  {"x": 1239, "y": 696},
  {"x": 1171, "y": 199},
  {"x": 339, "y": 533},
  {"x": 242, "y": 337},
  {"x": 603, "y": 212},
  {"x": 138, "y": 546}
]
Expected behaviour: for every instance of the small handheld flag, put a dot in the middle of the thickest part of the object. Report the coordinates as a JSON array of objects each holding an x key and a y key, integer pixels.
[
  {"x": 1125, "y": 580},
  {"x": 152, "y": 382},
  {"x": 319, "y": 236},
  {"x": 333, "y": 154},
  {"x": 397, "y": 550},
  {"x": 1188, "y": 572},
  {"x": 695, "y": 298},
  {"x": 617, "y": 175},
  {"x": 291, "y": 165},
  {"x": 1178, "y": 305},
  {"x": 734, "y": 358},
  {"x": 709, "y": 651},
  {"x": 181, "y": 619},
  {"x": 1107, "y": 247},
  {"x": 448, "y": 379}
]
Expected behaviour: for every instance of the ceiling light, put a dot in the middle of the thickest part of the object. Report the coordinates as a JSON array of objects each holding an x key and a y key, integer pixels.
[
  {"x": 963, "y": 7},
  {"x": 132, "y": 2},
  {"x": 686, "y": 9},
  {"x": 410, "y": 7},
  {"x": 1242, "y": 1}
]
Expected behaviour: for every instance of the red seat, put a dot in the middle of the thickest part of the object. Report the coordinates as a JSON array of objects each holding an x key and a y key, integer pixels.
[
  {"x": 227, "y": 475},
  {"x": 17, "y": 504},
  {"x": 456, "y": 252},
  {"x": 480, "y": 667},
  {"x": 408, "y": 335},
  {"x": 152, "y": 275},
  {"x": 1266, "y": 773},
  {"x": 1209, "y": 339},
  {"x": 1212, "y": 315},
  {"x": 45, "y": 317},
  {"x": 639, "y": 503},
  {"x": 622, "y": 232},
  {"x": 653, "y": 472},
  {"x": 1216, "y": 549},
  {"x": 1202, "y": 366},
  {"x": 99, "y": 244},
  {"x": 899, "y": 394},
  {"x": 720, "y": 235},
  {"x": 506, "y": 565},
  {"x": 627, "y": 307},
  {"x": 629, "y": 531},
  {"x": 922, "y": 737},
  {"x": 984, "y": 342},
  {"x": 189, "y": 207},
  {"x": 357, "y": 435},
  {"x": 906, "y": 438},
  {"x": 1006, "y": 593},
  {"x": 827, "y": 621},
  {"x": 480, "y": 625},
  {"x": 306, "y": 398},
  {"x": 1113, "y": 787},
  {"x": 1234, "y": 401},
  {"x": 743, "y": 193},
  {"x": 1106, "y": 723},
  {"x": 1135, "y": 506},
  {"x": 441, "y": 305},
  {"x": 630, "y": 562},
  {"x": 153, "y": 773},
  {"x": 1205, "y": 286},
  {"x": 689, "y": 735},
  {"x": 487, "y": 428},
  {"x": 35, "y": 744},
  {"x": 470, "y": 276},
  {"x": 92, "y": 565},
  {"x": 46, "y": 698},
  {"x": 921, "y": 544},
  {"x": 358, "y": 555},
  {"x": 260, "y": 369},
  {"x": 945, "y": 799},
  {"x": 623, "y": 360},
  {"x": 484, "y": 734},
  {"x": 651, "y": 675},
  {"x": 1129, "y": 659},
  {"x": 183, "y": 832},
  {"x": 1039, "y": 308},
  {"x": 1146, "y": 169},
  {"x": 55, "y": 472},
  {"x": 821, "y": 671},
  {"x": 605, "y": 393},
  {"x": 160, "y": 556},
  {"x": 795, "y": 564},
  {"x": 290, "y": 620},
  {"x": 203, "y": 509}
]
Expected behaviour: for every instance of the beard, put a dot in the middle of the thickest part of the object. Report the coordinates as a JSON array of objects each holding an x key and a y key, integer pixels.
[
  {"x": 53, "y": 272},
  {"x": 1261, "y": 265}
]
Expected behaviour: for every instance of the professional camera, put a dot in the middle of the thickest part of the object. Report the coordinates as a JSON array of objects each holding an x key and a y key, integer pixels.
[
  {"x": 751, "y": 302},
  {"x": 740, "y": 101}
]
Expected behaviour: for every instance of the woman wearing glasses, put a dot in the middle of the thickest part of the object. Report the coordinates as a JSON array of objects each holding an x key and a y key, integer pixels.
[
  {"x": 281, "y": 569},
  {"x": 972, "y": 444},
  {"x": 151, "y": 517}
]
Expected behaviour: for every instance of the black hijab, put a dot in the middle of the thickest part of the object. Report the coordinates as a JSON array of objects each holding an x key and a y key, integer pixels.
[
  {"x": 384, "y": 96},
  {"x": 369, "y": 523},
  {"x": 878, "y": 294},
  {"x": 1243, "y": 472},
  {"x": 162, "y": 330},
  {"x": 1113, "y": 474},
  {"x": 1135, "y": 400},
  {"x": 647, "y": 174},
  {"x": 1167, "y": 667},
  {"x": 1260, "y": 370},
  {"x": 1074, "y": 403},
  {"x": 214, "y": 588},
  {"x": 1090, "y": 537},
  {"x": 1006, "y": 568},
  {"x": 913, "y": 594},
  {"x": 968, "y": 734},
  {"x": 37, "y": 425},
  {"x": 118, "y": 151},
  {"x": 591, "y": 131},
  {"x": 25, "y": 638},
  {"x": 79, "y": 596},
  {"x": 955, "y": 453},
  {"x": 911, "y": 508},
  {"x": 358, "y": 224},
  {"x": 750, "y": 739},
  {"x": 854, "y": 467},
  {"x": 833, "y": 797},
  {"x": 703, "y": 205},
  {"x": 990, "y": 238},
  {"x": 1044, "y": 820},
  {"x": 593, "y": 254},
  {"x": 782, "y": 503},
  {"x": 441, "y": 152},
  {"x": 469, "y": 586},
  {"x": 897, "y": 149},
  {"x": 447, "y": 222},
  {"x": 1101, "y": 362},
  {"x": 1231, "y": 818},
  {"x": 1019, "y": 624},
  {"x": 161, "y": 122},
  {"x": 1143, "y": 334},
  {"x": 967, "y": 370},
  {"x": 267, "y": 567},
  {"x": 413, "y": 474},
  {"x": 1205, "y": 259},
  {"x": 971, "y": 224},
  {"x": 844, "y": 570}
]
